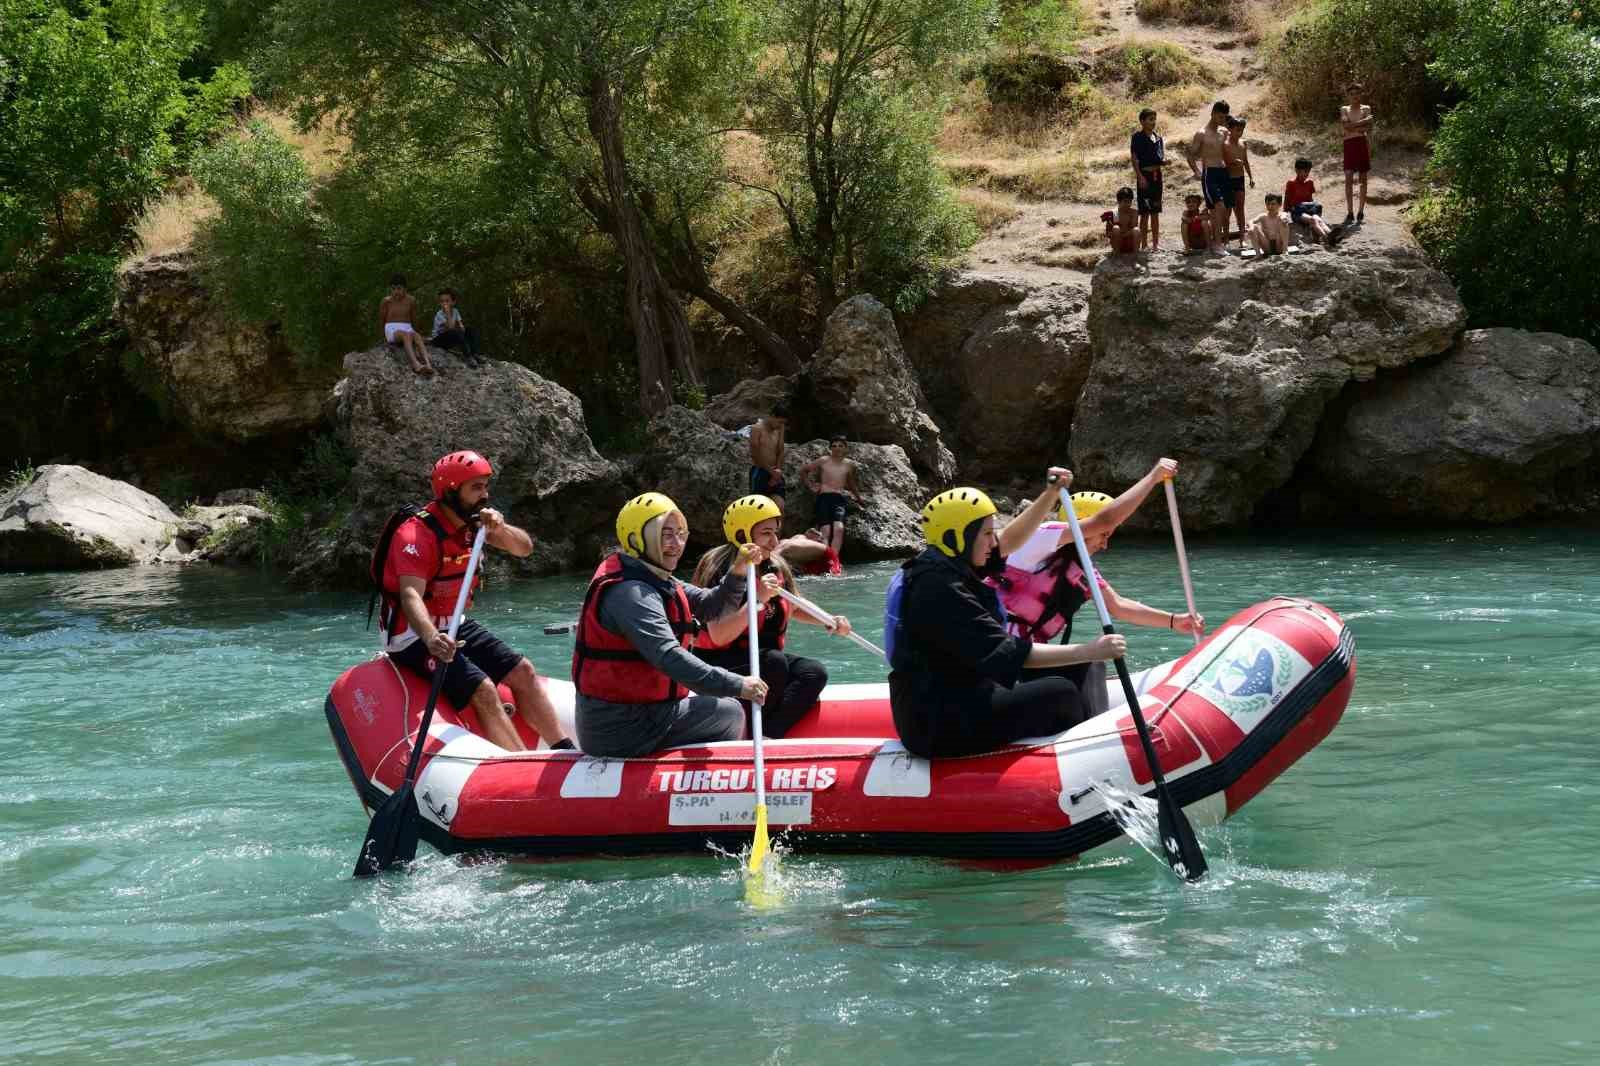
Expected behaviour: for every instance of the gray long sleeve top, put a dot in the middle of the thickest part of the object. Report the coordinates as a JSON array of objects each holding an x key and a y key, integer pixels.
[{"x": 634, "y": 609}]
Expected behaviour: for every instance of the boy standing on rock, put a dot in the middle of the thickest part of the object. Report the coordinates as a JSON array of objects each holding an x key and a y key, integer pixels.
[
  {"x": 1355, "y": 119},
  {"x": 1210, "y": 168},
  {"x": 832, "y": 478},
  {"x": 1149, "y": 154},
  {"x": 766, "y": 454},
  {"x": 1238, "y": 158}
]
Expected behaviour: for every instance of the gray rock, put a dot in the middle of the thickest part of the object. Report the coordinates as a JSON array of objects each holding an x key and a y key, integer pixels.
[
  {"x": 218, "y": 378},
  {"x": 1002, "y": 363},
  {"x": 1228, "y": 364},
  {"x": 748, "y": 401},
  {"x": 1507, "y": 425},
  {"x": 695, "y": 463},
  {"x": 70, "y": 518},
  {"x": 862, "y": 380},
  {"x": 548, "y": 477}
]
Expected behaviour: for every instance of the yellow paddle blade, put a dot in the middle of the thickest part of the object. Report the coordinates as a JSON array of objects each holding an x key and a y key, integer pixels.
[{"x": 759, "y": 846}]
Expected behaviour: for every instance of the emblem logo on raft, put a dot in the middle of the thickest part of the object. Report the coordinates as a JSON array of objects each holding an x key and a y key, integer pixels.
[
  {"x": 812, "y": 777},
  {"x": 366, "y": 706},
  {"x": 1249, "y": 679}
]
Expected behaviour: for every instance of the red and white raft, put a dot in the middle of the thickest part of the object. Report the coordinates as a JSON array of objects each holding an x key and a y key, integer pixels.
[{"x": 1228, "y": 718}]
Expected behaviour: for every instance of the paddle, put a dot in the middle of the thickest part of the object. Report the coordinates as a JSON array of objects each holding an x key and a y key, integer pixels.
[
  {"x": 1183, "y": 556},
  {"x": 759, "y": 847},
  {"x": 392, "y": 833},
  {"x": 817, "y": 612},
  {"x": 1177, "y": 835}
]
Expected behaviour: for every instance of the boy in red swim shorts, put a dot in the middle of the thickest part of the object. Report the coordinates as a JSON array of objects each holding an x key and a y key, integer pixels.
[
  {"x": 1355, "y": 118},
  {"x": 1196, "y": 232},
  {"x": 1122, "y": 225}
]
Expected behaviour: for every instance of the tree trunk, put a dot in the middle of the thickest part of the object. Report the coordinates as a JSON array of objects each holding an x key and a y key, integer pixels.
[
  {"x": 779, "y": 356},
  {"x": 671, "y": 308},
  {"x": 642, "y": 283}
]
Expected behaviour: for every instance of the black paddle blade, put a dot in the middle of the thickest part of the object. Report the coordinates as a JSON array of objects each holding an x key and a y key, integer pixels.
[
  {"x": 1178, "y": 840},
  {"x": 391, "y": 835}
]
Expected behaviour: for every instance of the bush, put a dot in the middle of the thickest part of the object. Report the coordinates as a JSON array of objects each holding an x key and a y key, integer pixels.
[
  {"x": 1045, "y": 25},
  {"x": 1513, "y": 216},
  {"x": 1160, "y": 65},
  {"x": 1031, "y": 82},
  {"x": 1385, "y": 45},
  {"x": 1188, "y": 12}
]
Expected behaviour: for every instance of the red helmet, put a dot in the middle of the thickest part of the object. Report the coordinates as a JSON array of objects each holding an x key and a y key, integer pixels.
[{"x": 458, "y": 468}]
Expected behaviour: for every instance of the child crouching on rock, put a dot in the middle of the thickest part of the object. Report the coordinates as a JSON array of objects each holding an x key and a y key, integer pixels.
[
  {"x": 1122, "y": 225},
  {"x": 1195, "y": 228},
  {"x": 1269, "y": 231}
]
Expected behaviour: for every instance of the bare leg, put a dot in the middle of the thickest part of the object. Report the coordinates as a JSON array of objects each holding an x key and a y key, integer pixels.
[
  {"x": 1238, "y": 213},
  {"x": 836, "y": 536},
  {"x": 1219, "y": 225},
  {"x": 1363, "y": 208},
  {"x": 492, "y": 715},
  {"x": 1144, "y": 231},
  {"x": 533, "y": 704},
  {"x": 1349, "y": 193},
  {"x": 1259, "y": 239},
  {"x": 1155, "y": 232}
]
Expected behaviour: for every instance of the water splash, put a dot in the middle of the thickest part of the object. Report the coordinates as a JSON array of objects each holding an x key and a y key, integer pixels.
[{"x": 1138, "y": 816}]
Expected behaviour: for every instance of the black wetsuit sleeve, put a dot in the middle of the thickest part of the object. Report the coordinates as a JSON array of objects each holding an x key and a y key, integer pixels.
[{"x": 951, "y": 623}]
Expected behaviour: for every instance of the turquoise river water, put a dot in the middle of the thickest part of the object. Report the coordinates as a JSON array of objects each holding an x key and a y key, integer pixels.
[{"x": 176, "y": 837}]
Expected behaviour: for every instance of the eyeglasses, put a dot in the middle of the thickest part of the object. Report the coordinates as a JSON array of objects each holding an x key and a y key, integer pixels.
[{"x": 675, "y": 536}]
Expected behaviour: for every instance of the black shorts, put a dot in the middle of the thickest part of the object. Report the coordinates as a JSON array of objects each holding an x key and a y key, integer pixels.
[
  {"x": 1148, "y": 199},
  {"x": 1305, "y": 207},
  {"x": 762, "y": 483},
  {"x": 831, "y": 507},
  {"x": 482, "y": 655}
]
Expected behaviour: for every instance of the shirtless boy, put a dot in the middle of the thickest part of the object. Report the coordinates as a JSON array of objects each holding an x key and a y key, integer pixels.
[
  {"x": 1148, "y": 152},
  {"x": 1211, "y": 169},
  {"x": 832, "y": 477},
  {"x": 1355, "y": 118},
  {"x": 1269, "y": 231},
  {"x": 766, "y": 454},
  {"x": 1238, "y": 157},
  {"x": 1122, "y": 225},
  {"x": 395, "y": 316}
]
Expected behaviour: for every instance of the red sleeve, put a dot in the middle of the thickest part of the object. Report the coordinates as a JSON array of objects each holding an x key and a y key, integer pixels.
[{"x": 413, "y": 552}]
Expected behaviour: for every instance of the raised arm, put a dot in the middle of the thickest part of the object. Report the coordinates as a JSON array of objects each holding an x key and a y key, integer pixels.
[
  {"x": 505, "y": 536},
  {"x": 1017, "y": 532}
]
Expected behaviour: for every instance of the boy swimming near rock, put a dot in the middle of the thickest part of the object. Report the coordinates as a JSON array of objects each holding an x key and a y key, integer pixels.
[
  {"x": 833, "y": 478},
  {"x": 395, "y": 317}
]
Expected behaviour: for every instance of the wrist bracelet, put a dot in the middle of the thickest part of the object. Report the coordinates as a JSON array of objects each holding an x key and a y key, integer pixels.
[{"x": 1172, "y": 621}]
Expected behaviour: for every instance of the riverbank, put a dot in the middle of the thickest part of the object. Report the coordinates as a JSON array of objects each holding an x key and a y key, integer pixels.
[{"x": 175, "y": 868}]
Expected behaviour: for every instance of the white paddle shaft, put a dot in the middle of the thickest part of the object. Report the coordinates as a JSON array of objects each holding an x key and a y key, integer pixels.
[
  {"x": 823, "y": 616},
  {"x": 1183, "y": 554},
  {"x": 1083, "y": 557},
  {"x": 751, "y": 612}
]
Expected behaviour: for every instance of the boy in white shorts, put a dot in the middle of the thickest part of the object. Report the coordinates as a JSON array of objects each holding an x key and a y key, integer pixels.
[{"x": 395, "y": 317}]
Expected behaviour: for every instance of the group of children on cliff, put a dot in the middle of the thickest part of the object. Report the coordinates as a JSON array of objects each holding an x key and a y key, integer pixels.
[
  {"x": 1220, "y": 161},
  {"x": 397, "y": 319}
]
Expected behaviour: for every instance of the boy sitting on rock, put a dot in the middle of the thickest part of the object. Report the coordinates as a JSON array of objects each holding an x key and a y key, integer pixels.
[
  {"x": 1269, "y": 231},
  {"x": 1195, "y": 229},
  {"x": 395, "y": 317},
  {"x": 1299, "y": 196},
  {"x": 452, "y": 334},
  {"x": 1122, "y": 225}
]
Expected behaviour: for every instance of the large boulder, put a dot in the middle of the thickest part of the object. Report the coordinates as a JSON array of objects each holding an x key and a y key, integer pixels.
[
  {"x": 1505, "y": 426},
  {"x": 1228, "y": 364},
  {"x": 548, "y": 477},
  {"x": 704, "y": 467},
  {"x": 217, "y": 378},
  {"x": 862, "y": 380},
  {"x": 749, "y": 400},
  {"x": 1002, "y": 361},
  {"x": 70, "y": 518}
]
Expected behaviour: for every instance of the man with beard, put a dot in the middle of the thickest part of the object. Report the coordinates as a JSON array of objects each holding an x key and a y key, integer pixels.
[
  {"x": 955, "y": 682},
  {"x": 423, "y": 562}
]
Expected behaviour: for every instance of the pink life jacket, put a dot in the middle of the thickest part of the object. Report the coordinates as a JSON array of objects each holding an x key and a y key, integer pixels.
[{"x": 1040, "y": 603}]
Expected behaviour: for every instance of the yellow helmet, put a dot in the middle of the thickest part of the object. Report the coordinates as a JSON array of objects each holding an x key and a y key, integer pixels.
[
  {"x": 1085, "y": 504},
  {"x": 743, "y": 515},
  {"x": 945, "y": 518},
  {"x": 633, "y": 516}
]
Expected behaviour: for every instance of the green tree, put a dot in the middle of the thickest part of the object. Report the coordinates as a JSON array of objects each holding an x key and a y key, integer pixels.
[
  {"x": 95, "y": 116},
  {"x": 1513, "y": 216},
  {"x": 847, "y": 102},
  {"x": 598, "y": 116}
]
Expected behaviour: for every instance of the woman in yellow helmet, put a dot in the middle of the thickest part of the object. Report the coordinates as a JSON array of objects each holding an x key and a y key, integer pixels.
[
  {"x": 956, "y": 684},
  {"x": 793, "y": 681},
  {"x": 631, "y": 662}
]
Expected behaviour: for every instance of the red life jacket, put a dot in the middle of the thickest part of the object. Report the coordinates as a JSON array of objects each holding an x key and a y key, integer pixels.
[
  {"x": 774, "y": 624},
  {"x": 605, "y": 665},
  {"x": 439, "y": 597}
]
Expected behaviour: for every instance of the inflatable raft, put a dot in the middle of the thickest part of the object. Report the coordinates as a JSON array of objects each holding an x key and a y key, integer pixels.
[{"x": 1229, "y": 717}]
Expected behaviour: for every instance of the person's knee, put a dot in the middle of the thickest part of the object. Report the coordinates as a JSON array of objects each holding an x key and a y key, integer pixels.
[
  {"x": 486, "y": 696},
  {"x": 522, "y": 674},
  {"x": 730, "y": 720}
]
